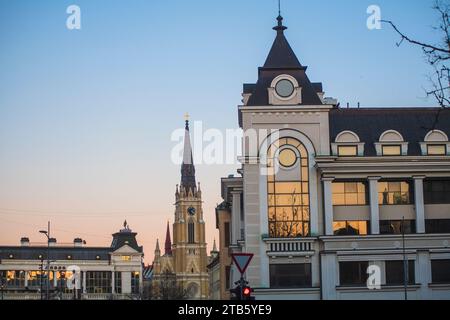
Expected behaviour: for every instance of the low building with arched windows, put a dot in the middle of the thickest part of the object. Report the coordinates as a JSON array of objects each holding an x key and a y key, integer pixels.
[
  {"x": 59, "y": 271},
  {"x": 334, "y": 202}
]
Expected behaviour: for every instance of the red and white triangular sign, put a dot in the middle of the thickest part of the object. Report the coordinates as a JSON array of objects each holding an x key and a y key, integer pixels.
[{"x": 242, "y": 260}]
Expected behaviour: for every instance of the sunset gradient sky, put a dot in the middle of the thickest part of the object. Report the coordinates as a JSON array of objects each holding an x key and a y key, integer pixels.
[{"x": 86, "y": 115}]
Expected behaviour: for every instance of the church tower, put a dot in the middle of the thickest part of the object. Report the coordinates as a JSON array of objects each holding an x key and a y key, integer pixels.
[
  {"x": 189, "y": 246},
  {"x": 184, "y": 261}
]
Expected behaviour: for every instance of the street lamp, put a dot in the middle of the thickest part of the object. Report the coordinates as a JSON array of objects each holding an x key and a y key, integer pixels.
[{"x": 47, "y": 234}]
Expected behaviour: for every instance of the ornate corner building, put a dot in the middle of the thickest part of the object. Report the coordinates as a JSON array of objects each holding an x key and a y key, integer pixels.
[
  {"x": 330, "y": 193},
  {"x": 184, "y": 262}
]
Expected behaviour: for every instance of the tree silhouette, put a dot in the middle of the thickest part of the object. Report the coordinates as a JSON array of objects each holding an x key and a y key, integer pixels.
[{"x": 437, "y": 55}]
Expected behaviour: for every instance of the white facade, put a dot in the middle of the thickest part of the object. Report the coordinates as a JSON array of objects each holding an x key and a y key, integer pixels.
[
  {"x": 98, "y": 273},
  {"x": 340, "y": 234}
]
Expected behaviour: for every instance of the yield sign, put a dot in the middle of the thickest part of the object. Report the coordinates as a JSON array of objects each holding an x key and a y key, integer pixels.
[{"x": 242, "y": 260}]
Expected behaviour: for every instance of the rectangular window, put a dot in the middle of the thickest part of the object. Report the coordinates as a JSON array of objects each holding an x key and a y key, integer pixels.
[
  {"x": 436, "y": 191},
  {"x": 353, "y": 273},
  {"x": 290, "y": 275},
  {"x": 440, "y": 271},
  {"x": 395, "y": 226},
  {"x": 350, "y": 228},
  {"x": 135, "y": 282},
  {"x": 436, "y": 149},
  {"x": 227, "y": 234},
  {"x": 347, "y": 151},
  {"x": 349, "y": 193},
  {"x": 126, "y": 258},
  {"x": 63, "y": 277},
  {"x": 437, "y": 226},
  {"x": 394, "y": 272},
  {"x": 391, "y": 150},
  {"x": 35, "y": 278},
  {"x": 288, "y": 208},
  {"x": 118, "y": 282},
  {"x": 13, "y": 279},
  {"x": 394, "y": 192},
  {"x": 98, "y": 281}
]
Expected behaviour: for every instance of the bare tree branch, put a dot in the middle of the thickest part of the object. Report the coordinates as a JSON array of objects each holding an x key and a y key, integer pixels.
[
  {"x": 437, "y": 55},
  {"x": 422, "y": 44}
]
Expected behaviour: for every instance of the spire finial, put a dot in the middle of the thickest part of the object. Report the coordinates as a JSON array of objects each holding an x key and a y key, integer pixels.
[
  {"x": 186, "y": 119},
  {"x": 279, "y": 28}
]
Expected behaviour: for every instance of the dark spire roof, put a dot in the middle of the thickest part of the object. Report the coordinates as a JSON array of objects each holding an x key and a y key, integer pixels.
[
  {"x": 281, "y": 60},
  {"x": 125, "y": 237},
  {"x": 168, "y": 244},
  {"x": 187, "y": 167},
  {"x": 281, "y": 55}
]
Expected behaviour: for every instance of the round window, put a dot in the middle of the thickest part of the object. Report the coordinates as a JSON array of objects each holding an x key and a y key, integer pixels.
[
  {"x": 284, "y": 88},
  {"x": 287, "y": 157}
]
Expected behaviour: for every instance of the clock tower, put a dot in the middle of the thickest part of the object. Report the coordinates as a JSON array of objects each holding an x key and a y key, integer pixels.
[{"x": 189, "y": 246}]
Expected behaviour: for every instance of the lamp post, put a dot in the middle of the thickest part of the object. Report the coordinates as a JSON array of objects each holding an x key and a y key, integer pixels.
[
  {"x": 40, "y": 278},
  {"x": 47, "y": 234}
]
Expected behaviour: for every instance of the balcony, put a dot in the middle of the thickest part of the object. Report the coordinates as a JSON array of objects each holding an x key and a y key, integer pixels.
[{"x": 290, "y": 247}]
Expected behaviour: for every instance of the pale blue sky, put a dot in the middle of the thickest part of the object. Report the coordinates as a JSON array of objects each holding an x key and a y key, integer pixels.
[{"x": 86, "y": 115}]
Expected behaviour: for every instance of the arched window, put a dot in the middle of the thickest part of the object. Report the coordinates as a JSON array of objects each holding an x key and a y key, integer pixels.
[
  {"x": 436, "y": 143},
  {"x": 347, "y": 144},
  {"x": 191, "y": 231},
  {"x": 288, "y": 189}
]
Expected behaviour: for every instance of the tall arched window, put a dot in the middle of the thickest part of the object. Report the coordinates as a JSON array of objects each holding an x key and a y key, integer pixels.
[
  {"x": 191, "y": 231},
  {"x": 288, "y": 189}
]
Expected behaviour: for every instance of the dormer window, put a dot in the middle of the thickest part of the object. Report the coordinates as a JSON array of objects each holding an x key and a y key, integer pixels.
[
  {"x": 285, "y": 90},
  {"x": 391, "y": 143},
  {"x": 347, "y": 144},
  {"x": 435, "y": 144}
]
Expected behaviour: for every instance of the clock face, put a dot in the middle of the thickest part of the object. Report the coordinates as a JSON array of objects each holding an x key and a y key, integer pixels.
[{"x": 191, "y": 211}]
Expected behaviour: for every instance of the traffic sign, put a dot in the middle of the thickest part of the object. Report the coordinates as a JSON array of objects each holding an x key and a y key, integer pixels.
[{"x": 242, "y": 260}]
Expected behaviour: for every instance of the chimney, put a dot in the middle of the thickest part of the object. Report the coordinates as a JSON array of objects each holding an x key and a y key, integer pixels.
[
  {"x": 52, "y": 242},
  {"x": 348, "y": 105},
  {"x": 25, "y": 242},
  {"x": 77, "y": 242}
]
